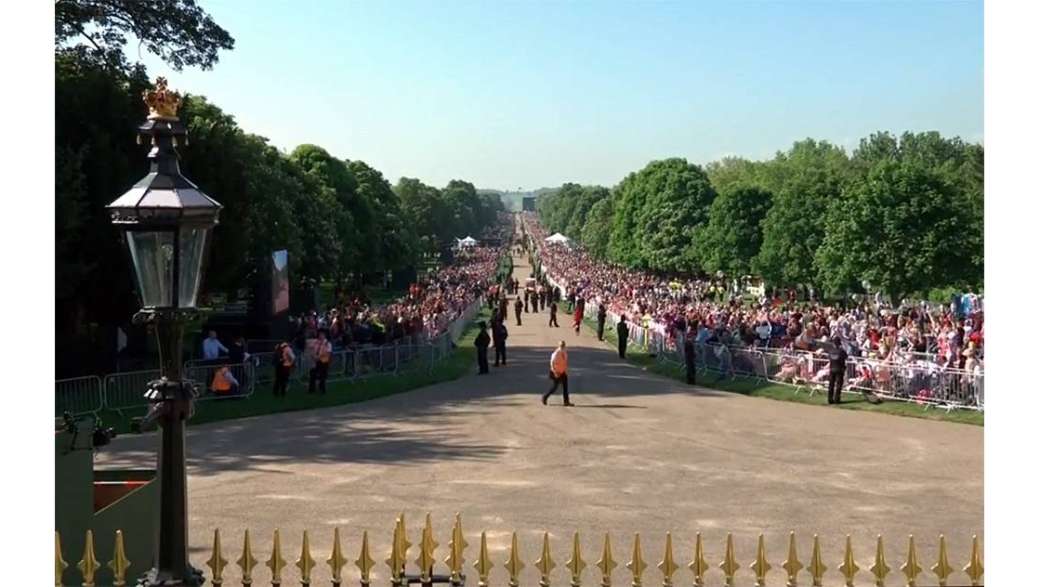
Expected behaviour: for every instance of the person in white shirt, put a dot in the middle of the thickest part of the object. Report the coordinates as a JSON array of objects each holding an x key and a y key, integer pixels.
[
  {"x": 322, "y": 360},
  {"x": 211, "y": 347}
]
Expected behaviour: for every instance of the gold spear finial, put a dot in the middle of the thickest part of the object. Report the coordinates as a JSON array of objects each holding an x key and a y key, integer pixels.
[
  {"x": 276, "y": 563},
  {"x": 396, "y": 559},
  {"x": 667, "y": 564},
  {"x": 792, "y": 565},
  {"x": 456, "y": 550},
  {"x": 848, "y": 565},
  {"x": 306, "y": 561},
  {"x": 514, "y": 565},
  {"x": 365, "y": 563},
  {"x": 483, "y": 563},
  {"x": 729, "y": 564},
  {"x": 336, "y": 560},
  {"x": 246, "y": 562},
  {"x": 761, "y": 566},
  {"x": 637, "y": 565},
  {"x": 699, "y": 566},
  {"x": 606, "y": 562},
  {"x": 816, "y": 566},
  {"x": 942, "y": 568},
  {"x": 217, "y": 562},
  {"x": 879, "y": 568},
  {"x": 546, "y": 563},
  {"x": 910, "y": 568},
  {"x": 974, "y": 566},
  {"x": 119, "y": 563},
  {"x": 576, "y": 565},
  {"x": 59, "y": 563},
  {"x": 426, "y": 547},
  {"x": 405, "y": 544},
  {"x": 89, "y": 564}
]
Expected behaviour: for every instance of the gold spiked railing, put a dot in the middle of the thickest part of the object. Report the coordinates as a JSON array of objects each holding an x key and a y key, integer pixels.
[{"x": 795, "y": 573}]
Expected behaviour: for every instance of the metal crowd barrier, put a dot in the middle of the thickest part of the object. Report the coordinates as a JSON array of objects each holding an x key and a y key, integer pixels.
[
  {"x": 78, "y": 395},
  {"x": 123, "y": 391}
]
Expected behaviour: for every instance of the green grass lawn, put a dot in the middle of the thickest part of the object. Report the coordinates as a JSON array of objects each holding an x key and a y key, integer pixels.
[
  {"x": 461, "y": 361},
  {"x": 755, "y": 387}
]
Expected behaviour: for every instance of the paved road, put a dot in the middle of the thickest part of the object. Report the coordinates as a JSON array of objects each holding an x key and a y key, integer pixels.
[{"x": 639, "y": 453}]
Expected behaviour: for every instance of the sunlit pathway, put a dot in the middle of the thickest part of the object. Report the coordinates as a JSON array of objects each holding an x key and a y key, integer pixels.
[{"x": 638, "y": 453}]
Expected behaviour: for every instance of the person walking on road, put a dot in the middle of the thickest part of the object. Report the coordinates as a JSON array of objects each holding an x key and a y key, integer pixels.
[
  {"x": 499, "y": 334},
  {"x": 601, "y": 319},
  {"x": 552, "y": 315},
  {"x": 558, "y": 374},
  {"x": 519, "y": 310},
  {"x": 579, "y": 314},
  {"x": 622, "y": 337},
  {"x": 481, "y": 342}
]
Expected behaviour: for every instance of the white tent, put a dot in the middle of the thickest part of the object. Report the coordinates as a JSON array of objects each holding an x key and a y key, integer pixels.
[
  {"x": 466, "y": 242},
  {"x": 558, "y": 239}
]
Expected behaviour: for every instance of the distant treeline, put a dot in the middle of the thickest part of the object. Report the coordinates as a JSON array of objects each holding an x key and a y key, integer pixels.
[{"x": 902, "y": 215}]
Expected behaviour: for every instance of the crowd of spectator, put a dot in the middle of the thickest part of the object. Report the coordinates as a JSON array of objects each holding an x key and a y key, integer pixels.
[
  {"x": 716, "y": 311},
  {"x": 429, "y": 307}
]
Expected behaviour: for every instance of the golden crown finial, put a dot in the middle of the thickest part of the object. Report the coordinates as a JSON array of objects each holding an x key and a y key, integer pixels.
[
  {"x": 576, "y": 564},
  {"x": 162, "y": 102},
  {"x": 337, "y": 560},
  {"x": 427, "y": 545},
  {"x": 483, "y": 563},
  {"x": 456, "y": 550}
]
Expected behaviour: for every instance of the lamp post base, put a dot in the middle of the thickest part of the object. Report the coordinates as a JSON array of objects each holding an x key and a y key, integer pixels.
[{"x": 156, "y": 578}]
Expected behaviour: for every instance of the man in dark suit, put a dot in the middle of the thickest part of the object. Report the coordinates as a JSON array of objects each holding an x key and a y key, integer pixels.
[
  {"x": 482, "y": 341},
  {"x": 836, "y": 356},
  {"x": 690, "y": 355},
  {"x": 499, "y": 335},
  {"x": 552, "y": 314},
  {"x": 601, "y": 320},
  {"x": 622, "y": 337},
  {"x": 519, "y": 307}
]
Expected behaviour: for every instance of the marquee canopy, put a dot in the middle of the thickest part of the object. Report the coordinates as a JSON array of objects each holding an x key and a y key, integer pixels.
[{"x": 558, "y": 239}]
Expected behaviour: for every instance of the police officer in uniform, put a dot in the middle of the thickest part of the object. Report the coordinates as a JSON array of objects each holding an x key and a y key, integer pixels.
[
  {"x": 481, "y": 342},
  {"x": 622, "y": 337},
  {"x": 837, "y": 356}
]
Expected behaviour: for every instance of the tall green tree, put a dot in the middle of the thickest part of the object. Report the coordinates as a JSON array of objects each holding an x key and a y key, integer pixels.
[
  {"x": 811, "y": 176},
  {"x": 595, "y": 235},
  {"x": 657, "y": 212},
  {"x": 427, "y": 211},
  {"x": 352, "y": 217},
  {"x": 397, "y": 239},
  {"x": 586, "y": 199},
  {"x": 900, "y": 229},
  {"x": 178, "y": 31},
  {"x": 733, "y": 235}
]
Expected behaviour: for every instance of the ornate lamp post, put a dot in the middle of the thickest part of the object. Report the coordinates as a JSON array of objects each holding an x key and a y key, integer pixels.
[{"x": 167, "y": 222}]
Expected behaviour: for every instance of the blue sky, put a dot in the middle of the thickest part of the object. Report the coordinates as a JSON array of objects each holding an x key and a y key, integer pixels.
[{"x": 532, "y": 94}]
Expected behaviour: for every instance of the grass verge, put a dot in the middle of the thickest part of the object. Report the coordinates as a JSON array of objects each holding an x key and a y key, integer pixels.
[
  {"x": 754, "y": 387},
  {"x": 262, "y": 402}
]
